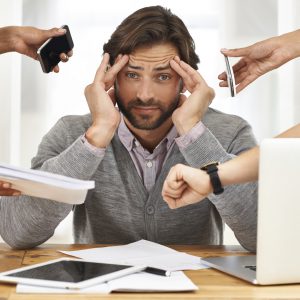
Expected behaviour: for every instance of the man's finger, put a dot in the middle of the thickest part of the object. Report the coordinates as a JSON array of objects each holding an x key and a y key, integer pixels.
[{"x": 100, "y": 73}]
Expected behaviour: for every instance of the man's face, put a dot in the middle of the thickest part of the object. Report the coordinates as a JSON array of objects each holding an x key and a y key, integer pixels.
[{"x": 147, "y": 89}]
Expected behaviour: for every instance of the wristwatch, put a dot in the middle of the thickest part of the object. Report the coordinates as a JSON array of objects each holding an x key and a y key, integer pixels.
[{"x": 212, "y": 170}]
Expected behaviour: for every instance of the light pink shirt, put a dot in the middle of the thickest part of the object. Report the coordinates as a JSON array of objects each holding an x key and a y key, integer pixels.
[{"x": 148, "y": 165}]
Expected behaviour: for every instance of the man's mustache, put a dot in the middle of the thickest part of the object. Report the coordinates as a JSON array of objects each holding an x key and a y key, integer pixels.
[{"x": 138, "y": 102}]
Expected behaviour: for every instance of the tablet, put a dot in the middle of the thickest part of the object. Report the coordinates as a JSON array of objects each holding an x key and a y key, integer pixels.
[{"x": 68, "y": 273}]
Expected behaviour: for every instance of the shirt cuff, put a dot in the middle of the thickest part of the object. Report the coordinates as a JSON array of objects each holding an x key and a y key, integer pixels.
[
  {"x": 99, "y": 152},
  {"x": 188, "y": 138}
]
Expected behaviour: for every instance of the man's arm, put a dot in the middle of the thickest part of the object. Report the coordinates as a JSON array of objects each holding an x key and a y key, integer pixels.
[
  {"x": 238, "y": 204},
  {"x": 29, "y": 221}
]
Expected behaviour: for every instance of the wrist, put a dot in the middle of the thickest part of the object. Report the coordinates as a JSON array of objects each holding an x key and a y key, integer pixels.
[
  {"x": 297, "y": 43},
  {"x": 184, "y": 126},
  {"x": 8, "y": 39},
  {"x": 100, "y": 136},
  {"x": 215, "y": 182},
  {"x": 291, "y": 43}
]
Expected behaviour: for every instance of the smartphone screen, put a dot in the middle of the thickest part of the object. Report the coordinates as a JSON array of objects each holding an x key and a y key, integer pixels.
[
  {"x": 49, "y": 52},
  {"x": 230, "y": 77}
]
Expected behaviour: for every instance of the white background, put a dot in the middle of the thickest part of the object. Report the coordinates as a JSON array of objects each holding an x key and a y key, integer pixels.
[{"x": 31, "y": 102}]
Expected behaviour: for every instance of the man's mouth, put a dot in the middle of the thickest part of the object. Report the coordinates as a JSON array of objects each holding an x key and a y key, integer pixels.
[{"x": 146, "y": 109}]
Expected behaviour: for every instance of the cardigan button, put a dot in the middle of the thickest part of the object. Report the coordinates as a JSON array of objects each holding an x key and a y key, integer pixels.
[{"x": 150, "y": 210}]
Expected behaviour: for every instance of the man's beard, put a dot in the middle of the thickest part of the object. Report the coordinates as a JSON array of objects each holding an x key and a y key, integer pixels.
[{"x": 144, "y": 122}]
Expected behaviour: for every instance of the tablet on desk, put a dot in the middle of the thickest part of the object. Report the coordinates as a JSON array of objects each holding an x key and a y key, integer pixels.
[{"x": 68, "y": 273}]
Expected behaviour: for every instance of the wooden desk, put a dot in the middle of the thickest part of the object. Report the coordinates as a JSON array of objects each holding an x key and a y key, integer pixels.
[{"x": 212, "y": 284}]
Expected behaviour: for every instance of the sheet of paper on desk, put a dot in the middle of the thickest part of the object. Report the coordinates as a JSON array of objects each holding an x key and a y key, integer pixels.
[
  {"x": 139, "y": 282},
  {"x": 46, "y": 185},
  {"x": 142, "y": 252}
]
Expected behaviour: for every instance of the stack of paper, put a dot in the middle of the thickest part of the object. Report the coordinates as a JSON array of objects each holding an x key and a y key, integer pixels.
[
  {"x": 141, "y": 252},
  {"x": 139, "y": 282},
  {"x": 46, "y": 185}
]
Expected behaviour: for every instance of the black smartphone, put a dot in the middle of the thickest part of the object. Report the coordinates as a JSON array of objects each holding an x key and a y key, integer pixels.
[
  {"x": 48, "y": 53},
  {"x": 230, "y": 77}
]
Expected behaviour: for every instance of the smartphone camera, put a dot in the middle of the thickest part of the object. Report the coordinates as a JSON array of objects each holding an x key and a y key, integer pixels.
[
  {"x": 48, "y": 53},
  {"x": 230, "y": 77}
]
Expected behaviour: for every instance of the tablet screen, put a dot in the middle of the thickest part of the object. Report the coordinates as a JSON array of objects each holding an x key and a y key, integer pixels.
[{"x": 69, "y": 271}]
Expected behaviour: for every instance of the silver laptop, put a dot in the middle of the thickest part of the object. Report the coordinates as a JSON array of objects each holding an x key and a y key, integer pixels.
[{"x": 277, "y": 260}]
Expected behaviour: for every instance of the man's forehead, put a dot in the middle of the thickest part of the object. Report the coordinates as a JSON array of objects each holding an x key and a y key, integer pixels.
[{"x": 155, "y": 56}]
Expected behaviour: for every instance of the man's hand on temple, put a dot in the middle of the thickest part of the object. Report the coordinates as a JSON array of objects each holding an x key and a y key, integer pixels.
[
  {"x": 194, "y": 107},
  {"x": 101, "y": 102}
]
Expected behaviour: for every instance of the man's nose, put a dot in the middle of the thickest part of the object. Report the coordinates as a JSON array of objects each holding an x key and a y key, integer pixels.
[{"x": 145, "y": 91}]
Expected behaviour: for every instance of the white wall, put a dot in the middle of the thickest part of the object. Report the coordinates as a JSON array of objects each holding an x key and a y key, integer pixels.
[{"x": 31, "y": 102}]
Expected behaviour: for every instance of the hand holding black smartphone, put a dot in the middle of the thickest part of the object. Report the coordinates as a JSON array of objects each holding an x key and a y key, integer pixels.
[{"x": 48, "y": 53}]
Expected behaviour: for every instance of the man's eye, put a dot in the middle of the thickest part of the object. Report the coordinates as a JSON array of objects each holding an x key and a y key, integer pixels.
[
  {"x": 164, "y": 77},
  {"x": 132, "y": 75}
]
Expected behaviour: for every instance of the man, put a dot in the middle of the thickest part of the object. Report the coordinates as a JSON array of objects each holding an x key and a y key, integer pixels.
[{"x": 149, "y": 62}]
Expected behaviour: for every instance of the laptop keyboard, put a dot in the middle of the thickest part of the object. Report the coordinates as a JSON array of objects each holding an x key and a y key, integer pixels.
[{"x": 253, "y": 268}]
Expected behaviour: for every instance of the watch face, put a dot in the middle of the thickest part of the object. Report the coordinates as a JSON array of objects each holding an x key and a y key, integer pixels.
[{"x": 205, "y": 167}]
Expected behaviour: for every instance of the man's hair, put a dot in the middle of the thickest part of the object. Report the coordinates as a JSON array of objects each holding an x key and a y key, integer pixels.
[{"x": 149, "y": 26}]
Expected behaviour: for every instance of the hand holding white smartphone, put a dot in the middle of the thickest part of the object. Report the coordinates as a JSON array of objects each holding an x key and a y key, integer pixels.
[{"x": 48, "y": 53}]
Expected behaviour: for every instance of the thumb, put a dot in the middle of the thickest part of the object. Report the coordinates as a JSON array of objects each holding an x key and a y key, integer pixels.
[
  {"x": 54, "y": 32},
  {"x": 237, "y": 52},
  {"x": 111, "y": 94},
  {"x": 182, "y": 99}
]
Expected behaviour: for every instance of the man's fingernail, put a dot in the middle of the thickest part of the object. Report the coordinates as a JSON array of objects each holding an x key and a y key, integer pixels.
[
  {"x": 224, "y": 49},
  {"x": 6, "y": 185},
  {"x": 62, "y": 30},
  {"x": 16, "y": 193}
]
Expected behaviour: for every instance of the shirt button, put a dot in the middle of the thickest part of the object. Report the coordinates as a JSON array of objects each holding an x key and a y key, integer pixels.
[
  {"x": 150, "y": 210},
  {"x": 137, "y": 144},
  {"x": 149, "y": 164}
]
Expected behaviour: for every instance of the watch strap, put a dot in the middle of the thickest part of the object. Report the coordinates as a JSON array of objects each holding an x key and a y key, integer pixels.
[{"x": 212, "y": 170}]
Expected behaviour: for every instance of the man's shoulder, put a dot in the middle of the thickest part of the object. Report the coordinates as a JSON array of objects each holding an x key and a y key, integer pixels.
[{"x": 217, "y": 119}]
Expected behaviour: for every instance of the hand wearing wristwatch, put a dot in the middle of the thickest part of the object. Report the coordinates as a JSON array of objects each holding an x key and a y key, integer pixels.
[{"x": 212, "y": 170}]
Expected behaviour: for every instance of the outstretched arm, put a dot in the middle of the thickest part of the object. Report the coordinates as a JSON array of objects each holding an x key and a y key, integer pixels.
[
  {"x": 261, "y": 58},
  {"x": 26, "y": 40},
  {"x": 186, "y": 185}
]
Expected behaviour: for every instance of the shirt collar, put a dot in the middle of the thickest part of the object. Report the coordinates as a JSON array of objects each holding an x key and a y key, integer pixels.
[{"x": 129, "y": 140}]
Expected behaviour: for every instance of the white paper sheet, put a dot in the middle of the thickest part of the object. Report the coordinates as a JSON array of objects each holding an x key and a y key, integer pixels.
[
  {"x": 139, "y": 282},
  {"x": 46, "y": 185},
  {"x": 142, "y": 253}
]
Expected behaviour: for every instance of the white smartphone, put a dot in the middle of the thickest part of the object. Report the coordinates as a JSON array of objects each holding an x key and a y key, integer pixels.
[
  {"x": 48, "y": 53},
  {"x": 68, "y": 273},
  {"x": 230, "y": 77}
]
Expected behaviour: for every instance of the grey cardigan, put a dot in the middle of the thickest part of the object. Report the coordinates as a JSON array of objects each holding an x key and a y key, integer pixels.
[{"x": 119, "y": 209}]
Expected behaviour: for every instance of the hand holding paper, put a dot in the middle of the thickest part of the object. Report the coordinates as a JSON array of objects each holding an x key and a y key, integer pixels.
[{"x": 46, "y": 185}]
